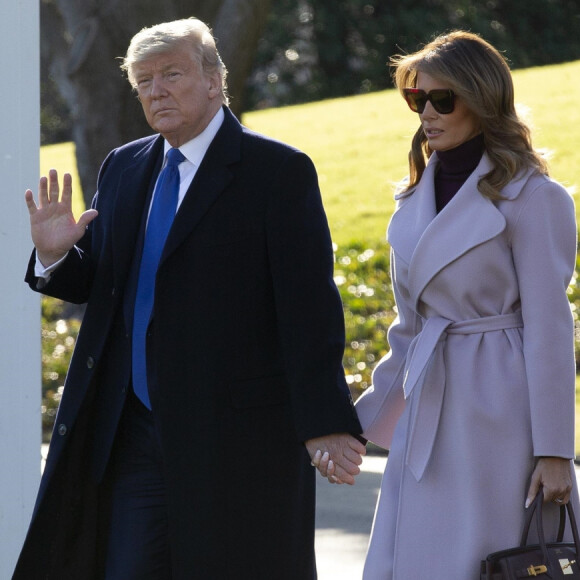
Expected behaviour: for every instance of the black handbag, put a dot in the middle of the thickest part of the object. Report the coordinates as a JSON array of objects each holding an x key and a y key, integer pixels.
[{"x": 556, "y": 561}]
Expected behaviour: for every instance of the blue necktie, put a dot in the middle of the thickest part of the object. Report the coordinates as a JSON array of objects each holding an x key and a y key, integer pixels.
[{"x": 161, "y": 217}]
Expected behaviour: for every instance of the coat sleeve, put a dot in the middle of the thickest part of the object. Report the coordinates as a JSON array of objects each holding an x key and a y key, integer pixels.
[
  {"x": 544, "y": 254},
  {"x": 381, "y": 405},
  {"x": 72, "y": 281},
  {"x": 308, "y": 306}
]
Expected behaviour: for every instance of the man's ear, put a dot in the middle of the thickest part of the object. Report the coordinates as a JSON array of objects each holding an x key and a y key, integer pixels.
[{"x": 214, "y": 85}]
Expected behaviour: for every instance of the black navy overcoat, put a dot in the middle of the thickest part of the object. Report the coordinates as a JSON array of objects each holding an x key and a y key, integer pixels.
[{"x": 245, "y": 364}]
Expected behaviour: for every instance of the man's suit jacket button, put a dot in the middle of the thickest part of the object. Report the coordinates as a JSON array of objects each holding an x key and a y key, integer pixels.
[
  {"x": 90, "y": 362},
  {"x": 62, "y": 429}
]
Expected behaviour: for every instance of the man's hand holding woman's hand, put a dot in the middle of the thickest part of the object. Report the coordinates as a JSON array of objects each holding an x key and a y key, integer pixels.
[{"x": 337, "y": 457}]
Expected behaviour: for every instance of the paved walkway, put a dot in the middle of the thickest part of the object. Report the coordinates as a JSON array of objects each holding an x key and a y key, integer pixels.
[{"x": 344, "y": 515}]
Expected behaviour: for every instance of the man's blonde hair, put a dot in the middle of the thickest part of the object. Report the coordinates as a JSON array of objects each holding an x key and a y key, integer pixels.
[{"x": 163, "y": 38}]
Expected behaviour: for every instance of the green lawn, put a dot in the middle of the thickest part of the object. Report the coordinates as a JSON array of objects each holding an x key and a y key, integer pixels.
[
  {"x": 360, "y": 144},
  {"x": 62, "y": 158}
]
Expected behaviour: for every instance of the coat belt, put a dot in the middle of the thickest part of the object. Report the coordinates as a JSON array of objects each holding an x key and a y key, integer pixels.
[{"x": 425, "y": 375}]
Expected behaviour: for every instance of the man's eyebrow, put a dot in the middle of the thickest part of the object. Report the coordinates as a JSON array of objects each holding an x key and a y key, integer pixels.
[{"x": 174, "y": 64}]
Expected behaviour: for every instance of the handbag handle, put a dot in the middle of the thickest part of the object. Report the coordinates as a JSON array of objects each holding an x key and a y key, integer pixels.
[{"x": 536, "y": 507}]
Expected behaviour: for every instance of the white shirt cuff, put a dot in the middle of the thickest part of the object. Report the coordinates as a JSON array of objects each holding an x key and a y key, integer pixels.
[{"x": 41, "y": 272}]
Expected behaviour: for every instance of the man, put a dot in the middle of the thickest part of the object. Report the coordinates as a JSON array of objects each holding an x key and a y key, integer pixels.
[{"x": 207, "y": 373}]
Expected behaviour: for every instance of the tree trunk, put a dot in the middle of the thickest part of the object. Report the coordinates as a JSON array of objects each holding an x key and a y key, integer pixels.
[
  {"x": 84, "y": 40},
  {"x": 238, "y": 28}
]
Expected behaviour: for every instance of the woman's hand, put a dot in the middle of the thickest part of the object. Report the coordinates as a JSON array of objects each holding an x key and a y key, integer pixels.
[
  {"x": 554, "y": 474},
  {"x": 337, "y": 457}
]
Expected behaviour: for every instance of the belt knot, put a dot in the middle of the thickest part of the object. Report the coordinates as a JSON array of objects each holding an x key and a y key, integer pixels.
[{"x": 425, "y": 355}]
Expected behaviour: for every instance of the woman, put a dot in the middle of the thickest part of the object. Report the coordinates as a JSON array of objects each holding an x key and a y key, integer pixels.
[{"x": 476, "y": 398}]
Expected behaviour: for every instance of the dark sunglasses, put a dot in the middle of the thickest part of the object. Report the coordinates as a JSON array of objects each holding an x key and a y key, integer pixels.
[{"x": 443, "y": 100}]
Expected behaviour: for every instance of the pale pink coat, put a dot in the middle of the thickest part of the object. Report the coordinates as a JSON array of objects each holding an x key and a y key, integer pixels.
[{"x": 480, "y": 378}]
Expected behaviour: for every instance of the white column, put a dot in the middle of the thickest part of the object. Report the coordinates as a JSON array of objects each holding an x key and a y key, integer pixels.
[{"x": 20, "y": 433}]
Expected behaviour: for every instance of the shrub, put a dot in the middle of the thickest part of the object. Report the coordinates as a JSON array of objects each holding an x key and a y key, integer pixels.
[
  {"x": 59, "y": 335},
  {"x": 363, "y": 279},
  {"x": 574, "y": 297}
]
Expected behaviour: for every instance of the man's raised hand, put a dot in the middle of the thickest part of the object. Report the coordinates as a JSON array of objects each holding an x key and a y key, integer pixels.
[{"x": 53, "y": 227}]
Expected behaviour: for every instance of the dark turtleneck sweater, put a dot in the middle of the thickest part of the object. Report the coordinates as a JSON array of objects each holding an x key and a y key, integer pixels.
[{"x": 455, "y": 166}]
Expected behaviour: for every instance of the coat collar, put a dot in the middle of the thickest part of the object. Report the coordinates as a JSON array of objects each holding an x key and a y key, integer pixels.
[
  {"x": 209, "y": 182},
  {"x": 134, "y": 186},
  {"x": 136, "y": 183},
  {"x": 428, "y": 241}
]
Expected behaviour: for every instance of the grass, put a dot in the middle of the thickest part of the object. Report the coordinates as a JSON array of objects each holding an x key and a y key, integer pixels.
[
  {"x": 360, "y": 144},
  {"x": 62, "y": 158}
]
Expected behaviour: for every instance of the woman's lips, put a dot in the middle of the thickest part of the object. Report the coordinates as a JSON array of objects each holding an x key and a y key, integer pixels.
[{"x": 430, "y": 132}]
